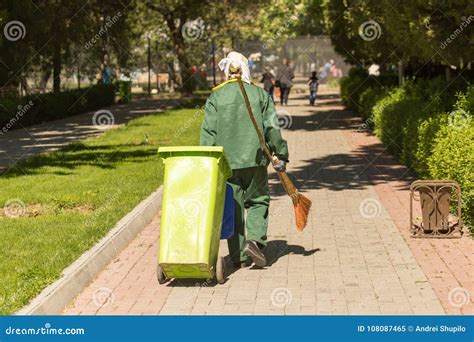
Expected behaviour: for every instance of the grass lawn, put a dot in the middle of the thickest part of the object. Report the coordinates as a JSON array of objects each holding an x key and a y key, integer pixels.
[{"x": 73, "y": 197}]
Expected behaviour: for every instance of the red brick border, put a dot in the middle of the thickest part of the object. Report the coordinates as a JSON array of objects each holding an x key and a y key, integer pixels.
[{"x": 447, "y": 263}]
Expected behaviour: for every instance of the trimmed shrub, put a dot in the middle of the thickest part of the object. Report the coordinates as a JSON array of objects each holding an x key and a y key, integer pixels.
[
  {"x": 427, "y": 132},
  {"x": 398, "y": 115},
  {"x": 437, "y": 96},
  {"x": 428, "y": 124},
  {"x": 452, "y": 158},
  {"x": 360, "y": 91},
  {"x": 391, "y": 114},
  {"x": 34, "y": 109},
  {"x": 465, "y": 101},
  {"x": 352, "y": 86},
  {"x": 368, "y": 98}
]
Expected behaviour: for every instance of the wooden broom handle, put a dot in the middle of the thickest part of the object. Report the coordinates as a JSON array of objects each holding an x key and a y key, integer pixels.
[
  {"x": 285, "y": 180},
  {"x": 254, "y": 122}
]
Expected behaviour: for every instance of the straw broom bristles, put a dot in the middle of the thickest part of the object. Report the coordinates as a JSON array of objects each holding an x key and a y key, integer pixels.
[{"x": 301, "y": 203}]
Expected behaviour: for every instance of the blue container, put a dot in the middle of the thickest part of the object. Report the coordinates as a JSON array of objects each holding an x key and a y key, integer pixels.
[{"x": 228, "y": 218}]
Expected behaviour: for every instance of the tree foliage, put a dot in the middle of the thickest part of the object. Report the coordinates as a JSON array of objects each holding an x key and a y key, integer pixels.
[
  {"x": 57, "y": 35},
  {"x": 73, "y": 37},
  {"x": 188, "y": 28},
  {"x": 413, "y": 32}
]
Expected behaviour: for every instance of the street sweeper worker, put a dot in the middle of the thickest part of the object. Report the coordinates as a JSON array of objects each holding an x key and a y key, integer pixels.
[{"x": 227, "y": 123}]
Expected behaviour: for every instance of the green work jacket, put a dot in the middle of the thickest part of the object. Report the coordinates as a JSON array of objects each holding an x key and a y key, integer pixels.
[{"x": 227, "y": 123}]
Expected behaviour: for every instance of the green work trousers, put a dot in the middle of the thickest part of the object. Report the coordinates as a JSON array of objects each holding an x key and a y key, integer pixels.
[{"x": 251, "y": 197}]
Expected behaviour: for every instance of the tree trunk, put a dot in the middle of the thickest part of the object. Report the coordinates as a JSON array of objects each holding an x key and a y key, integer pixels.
[
  {"x": 401, "y": 73},
  {"x": 78, "y": 77},
  {"x": 24, "y": 85},
  {"x": 45, "y": 75},
  {"x": 171, "y": 73},
  {"x": 57, "y": 68},
  {"x": 187, "y": 78},
  {"x": 448, "y": 73}
]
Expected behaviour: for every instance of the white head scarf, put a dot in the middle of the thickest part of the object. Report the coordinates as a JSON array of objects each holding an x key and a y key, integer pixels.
[{"x": 237, "y": 61}]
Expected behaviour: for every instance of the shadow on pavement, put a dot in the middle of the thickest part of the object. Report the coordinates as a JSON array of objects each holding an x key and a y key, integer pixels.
[
  {"x": 275, "y": 249},
  {"x": 21, "y": 144},
  {"x": 340, "y": 172},
  {"x": 361, "y": 168},
  {"x": 99, "y": 156},
  {"x": 278, "y": 248}
]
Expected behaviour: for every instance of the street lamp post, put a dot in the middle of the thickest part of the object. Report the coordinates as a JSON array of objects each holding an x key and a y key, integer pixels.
[
  {"x": 157, "y": 69},
  {"x": 149, "y": 66},
  {"x": 214, "y": 62}
]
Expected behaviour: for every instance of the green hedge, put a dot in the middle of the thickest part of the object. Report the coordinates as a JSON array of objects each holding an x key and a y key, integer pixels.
[
  {"x": 427, "y": 124},
  {"x": 356, "y": 87},
  {"x": 452, "y": 158},
  {"x": 34, "y": 109}
]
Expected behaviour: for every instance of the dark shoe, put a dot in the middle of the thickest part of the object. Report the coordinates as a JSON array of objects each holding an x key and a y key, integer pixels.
[
  {"x": 240, "y": 264},
  {"x": 252, "y": 250}
]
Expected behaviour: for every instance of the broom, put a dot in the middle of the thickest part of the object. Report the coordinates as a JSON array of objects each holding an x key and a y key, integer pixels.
[{"x": 301, "y": 203}]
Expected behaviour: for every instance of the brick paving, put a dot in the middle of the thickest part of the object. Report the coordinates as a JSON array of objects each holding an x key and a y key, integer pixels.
[
  {"x": 354, "y": 257},
  {"x": 447, "y": 263}
]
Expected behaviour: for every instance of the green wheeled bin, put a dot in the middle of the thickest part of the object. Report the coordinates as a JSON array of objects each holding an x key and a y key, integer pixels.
[
  {"x": 125, "y": 91},
  {"x": 194, "y": 190}
]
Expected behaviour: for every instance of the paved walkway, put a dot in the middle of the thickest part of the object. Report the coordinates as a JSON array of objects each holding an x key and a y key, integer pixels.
[
  {"x": 354, "y": 257},
  {"x": 26, "y": 142}
]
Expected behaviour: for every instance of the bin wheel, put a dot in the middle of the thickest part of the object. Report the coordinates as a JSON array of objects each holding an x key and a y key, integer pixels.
[
  {"x": 160, "y": 275},
  {"x": 220, "y": 270}
]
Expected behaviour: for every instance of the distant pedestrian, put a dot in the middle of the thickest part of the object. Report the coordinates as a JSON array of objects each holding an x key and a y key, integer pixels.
[
  {"x": 106, "y": 74},
  {"x": 268, "y": 80},
  {"x": 285, "y": 76},
  {"x": 313, "y": 84}
]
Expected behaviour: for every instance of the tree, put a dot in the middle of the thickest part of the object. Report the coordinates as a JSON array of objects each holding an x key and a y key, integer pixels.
[
  {"x": 59, "y": 33},
  {"x": 16, "y": 43},
  {"x": 191, "y": 26},
  {"x": 411, "y": 32},
  {"x": 282, "y": 19}
]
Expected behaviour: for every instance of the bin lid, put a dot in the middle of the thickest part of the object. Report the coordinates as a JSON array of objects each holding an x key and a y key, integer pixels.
[{"x": 196, "y": 151}]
